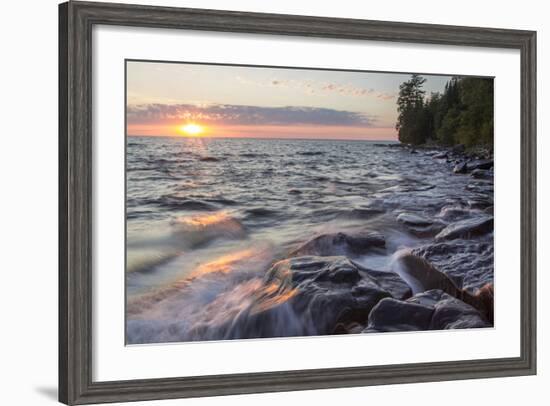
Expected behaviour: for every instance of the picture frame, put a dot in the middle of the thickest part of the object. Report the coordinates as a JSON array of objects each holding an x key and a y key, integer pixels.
[{"x": 76, "y": 352}]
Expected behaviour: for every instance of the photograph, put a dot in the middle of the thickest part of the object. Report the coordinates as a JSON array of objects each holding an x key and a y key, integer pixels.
[{"x": 268, "y": 202}]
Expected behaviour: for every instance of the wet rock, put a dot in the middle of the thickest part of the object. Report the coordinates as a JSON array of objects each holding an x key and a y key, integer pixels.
[
  {"x": 389, "y": 281},
  {"x": 421, "y": 275},
  {"x": 419, "y": 226},
  {"x": 481, "y": 174},
  {"x": 453, "y": 212},
  {"x": 453, "y": 313},
  {"x": 396, "y": 315},
  {"x": 461, "y": 167},
  {"x": 467, "y": 228},
  {"x": 483, "y": 164},
  {"x": 431, "y": 310},
  {"x": 427, "y": 298},
  {"x": 324, "y": 292},
  {"x": 341, "y": 244},
  {"x": 413, "y": 219},
  {"x": 468, "y": 263}
]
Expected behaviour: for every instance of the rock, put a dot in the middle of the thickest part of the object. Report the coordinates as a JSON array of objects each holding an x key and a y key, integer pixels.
[
  {"x": 341, "y": 244},
  {"x": 468, "y": 263},
  {"x": 461, "y": 167},
  {"x": 453, "y": 212},
  {"x": 413, "y": 219},
  {"x": 481, "y": 164},
  {"x": 441, "y": 155},
  {"x": 458, "y": 149},
  {"x": 396, "y": 315},
  {"x": 390, "y": 282},
  {"x": 321, "y": 292},
  {"x": 452, "y": 313},
  {"x": 420, "y": 226},
  {"x": 467, "y": 228},
  {"x": 431, "y": 310},
  {"x": 481, "y": 174},
  {"x": 427, "y": 298},
  {"x": 414, "y": 151},
  {"x": 421, "y": 275}
]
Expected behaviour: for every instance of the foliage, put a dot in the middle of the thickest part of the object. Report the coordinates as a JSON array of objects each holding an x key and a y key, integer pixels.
[{"x": 462, "y": 114}]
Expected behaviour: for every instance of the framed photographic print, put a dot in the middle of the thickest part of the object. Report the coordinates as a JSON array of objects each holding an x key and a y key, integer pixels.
[{"x": 259, "y": 202}]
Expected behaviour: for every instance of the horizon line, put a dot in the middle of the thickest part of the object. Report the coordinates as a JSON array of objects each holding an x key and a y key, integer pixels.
[{"x": 261, "y": 138}]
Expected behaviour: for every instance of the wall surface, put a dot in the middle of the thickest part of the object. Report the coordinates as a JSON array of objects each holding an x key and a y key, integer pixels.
[{"x": 28, "y": 168}]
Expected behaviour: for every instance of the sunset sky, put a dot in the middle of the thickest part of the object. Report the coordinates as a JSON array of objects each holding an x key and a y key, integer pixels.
[{"x": 198, "y": 100}]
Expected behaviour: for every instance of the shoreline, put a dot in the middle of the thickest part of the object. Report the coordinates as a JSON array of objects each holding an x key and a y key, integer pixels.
[{"x": 334, "y": 280}]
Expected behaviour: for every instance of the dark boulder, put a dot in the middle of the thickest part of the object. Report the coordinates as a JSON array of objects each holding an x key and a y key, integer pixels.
[
  {"x": 390, "y": 282},
  {"x": 324, "y": 292},
  {"x": 430, "y": 310},
  {"x": 396, "y": 315},
  {"x": 453, "y": 313},
  {"x": 468, "y": 263},
  {"x": 483, "y": 164}
]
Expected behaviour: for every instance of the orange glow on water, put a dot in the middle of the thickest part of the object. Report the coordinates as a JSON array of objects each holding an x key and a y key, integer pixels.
[{"x": 225, "y": 263}]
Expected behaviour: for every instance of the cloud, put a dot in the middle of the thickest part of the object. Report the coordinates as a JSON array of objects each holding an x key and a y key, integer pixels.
[
  {"x": 228, "y": 114},
  {"x": 315, "y": 87}
]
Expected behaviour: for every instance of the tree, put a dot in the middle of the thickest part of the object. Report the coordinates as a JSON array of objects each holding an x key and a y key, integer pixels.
[
  {"x": 463, "y": 113},
  {"x": 411, "y": 122}
]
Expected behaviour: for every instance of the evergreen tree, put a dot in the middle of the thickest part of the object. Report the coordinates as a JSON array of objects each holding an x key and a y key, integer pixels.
[
  {"x": 411, "y": 122},
  {"x": 463, "y": 113}
]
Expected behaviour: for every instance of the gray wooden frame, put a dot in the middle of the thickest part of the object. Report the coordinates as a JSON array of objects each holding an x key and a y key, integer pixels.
[{"x": 76, "y": 20}]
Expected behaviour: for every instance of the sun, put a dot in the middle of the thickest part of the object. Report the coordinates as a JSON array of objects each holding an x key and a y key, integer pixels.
[{"x": 192, "y": 129}]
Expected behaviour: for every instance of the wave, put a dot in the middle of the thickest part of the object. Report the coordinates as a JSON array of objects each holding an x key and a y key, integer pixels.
[
  {"x": 310, "y": 153},
  {"x": 183, "y": 203},
  {"x": 209, "y": 159},
  {"x": 205, "y": 300},
  {"x": 253, "y": 155},
  {"x": 146, "y": 260},
  {"x": 261, "y": 212},
  {"x": 203, "y": 228}
]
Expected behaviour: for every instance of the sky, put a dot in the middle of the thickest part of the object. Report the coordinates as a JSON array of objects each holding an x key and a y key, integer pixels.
[{"x": 203, "y": 100}]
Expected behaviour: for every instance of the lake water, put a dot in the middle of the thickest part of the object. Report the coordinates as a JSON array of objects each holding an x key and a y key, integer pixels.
[{"x": 206, "y": 218}]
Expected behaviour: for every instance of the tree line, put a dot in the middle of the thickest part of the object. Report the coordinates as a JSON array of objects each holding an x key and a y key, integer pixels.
[{"x": 461, "y": 114}]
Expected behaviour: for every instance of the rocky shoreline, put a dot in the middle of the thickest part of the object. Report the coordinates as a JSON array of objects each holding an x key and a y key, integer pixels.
[
  {"x": 444, "y": 284},
  {"x": 436, "y": 242}
]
